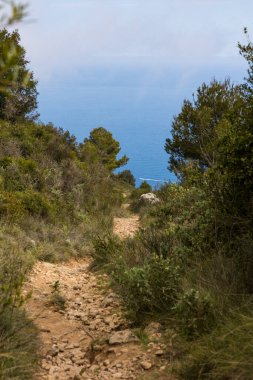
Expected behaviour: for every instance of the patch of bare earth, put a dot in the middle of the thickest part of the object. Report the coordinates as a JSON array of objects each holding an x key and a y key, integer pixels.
[
  {"x": 90, "y": 338},
  {"x": 126, "y": 227}
]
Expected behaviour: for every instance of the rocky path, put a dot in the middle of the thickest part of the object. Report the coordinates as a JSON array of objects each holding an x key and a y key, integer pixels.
[
  {"x": 89, "y": 338},
  {"x": 125, "y": 227}
]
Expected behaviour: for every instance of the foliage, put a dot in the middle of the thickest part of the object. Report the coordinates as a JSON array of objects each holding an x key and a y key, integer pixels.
[
  {"x": 18, "y": 336},
  {"x": 14, "y": 14},
  {"x": 145, "y": 187},
  {"x": 127, "y": 177},
  {"x": 225, "y": 354},
  {"x": 18, "y": 93},
  {"x": 101, "y": 147},
  {"x": 196, "y": 128},
  {"x": 150, "y": 288},
  {"x": 57, "y": 299},
  {"x": 194, "y": 313},
  {"x": 105, "y": 247},
  {"x": 19, "y": 347},
  {"x": 15, "y": 265}
]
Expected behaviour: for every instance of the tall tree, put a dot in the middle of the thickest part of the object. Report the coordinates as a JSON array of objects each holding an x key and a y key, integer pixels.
[
  {"x": 101, "y": 147},
  {"x": 18, "y": 93},
  {"x": 196, "y": 128}
]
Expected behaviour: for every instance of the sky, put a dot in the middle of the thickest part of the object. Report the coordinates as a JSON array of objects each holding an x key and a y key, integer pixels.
[{"x": 127, "y": 65}]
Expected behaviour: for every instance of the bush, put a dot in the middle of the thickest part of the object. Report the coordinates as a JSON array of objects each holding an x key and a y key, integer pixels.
[
  {"x": 17, "y": 204},
  {"x": 151, "y": 288},
  {"x": 10, "y": 206},
  {"x": 36, "y": 203},
  {"x": 14, "y": 266},
  {"x": 20, "y": 174},
  {"x": 106, "y": 248},
  {"x": 195, "y": 314}
]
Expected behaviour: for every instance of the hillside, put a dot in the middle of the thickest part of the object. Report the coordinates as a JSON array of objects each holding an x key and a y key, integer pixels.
[{"x": 98, "y": 281}]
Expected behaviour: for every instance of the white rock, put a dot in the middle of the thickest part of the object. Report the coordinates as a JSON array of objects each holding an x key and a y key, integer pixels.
[{"x": 149, "y": 198}]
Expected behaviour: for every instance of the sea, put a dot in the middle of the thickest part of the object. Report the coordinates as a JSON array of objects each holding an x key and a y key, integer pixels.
[{"x": 141, "y": 123}]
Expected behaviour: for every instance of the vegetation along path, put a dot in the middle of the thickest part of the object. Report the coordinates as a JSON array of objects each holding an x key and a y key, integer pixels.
[{"x": 82, "y": 329}]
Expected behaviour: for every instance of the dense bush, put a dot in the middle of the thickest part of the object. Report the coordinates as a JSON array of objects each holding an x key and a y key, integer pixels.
[
  {"x": 195, "y": 314},
  {"x": 150, "y": 288}
]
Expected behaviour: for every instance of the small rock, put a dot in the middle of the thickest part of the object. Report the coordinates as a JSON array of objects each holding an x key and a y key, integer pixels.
[
  {"x": 159, "y": 353},
  {"x": 146, "y": 365},
  {"x": 121, "y": 337}
]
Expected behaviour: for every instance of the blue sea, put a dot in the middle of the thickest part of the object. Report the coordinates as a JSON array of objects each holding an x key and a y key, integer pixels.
[{"x": 140, "y": 125}]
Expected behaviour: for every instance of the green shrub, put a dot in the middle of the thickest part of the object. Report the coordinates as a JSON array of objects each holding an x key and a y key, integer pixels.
[
  {"x": 10, "y": 206},
  {"x": 14, "y": 205},
  {"x": 36, "y": 203},
  {"x": 194, "y": 313},
  {"x": 106, "y": 248},
  {"x": 20, "y": 174},
  {"x": 151, "y": 288},
  {"x": 14, "y": 266}
]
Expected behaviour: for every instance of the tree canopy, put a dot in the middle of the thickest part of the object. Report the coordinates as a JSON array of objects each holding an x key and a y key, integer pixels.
[
  {"x": 196, "y": 129},
  {"x": 18, "y": 93},
  {"x": 102, "y": 147}
]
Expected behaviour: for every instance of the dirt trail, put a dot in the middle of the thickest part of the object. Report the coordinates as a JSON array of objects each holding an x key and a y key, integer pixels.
[
  {"x": 89, "y": 339},
  {"x": 126, "y": 227}
]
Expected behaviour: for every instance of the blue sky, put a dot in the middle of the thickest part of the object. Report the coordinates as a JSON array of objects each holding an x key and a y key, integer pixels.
[{"x": 128, "y": 64}]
